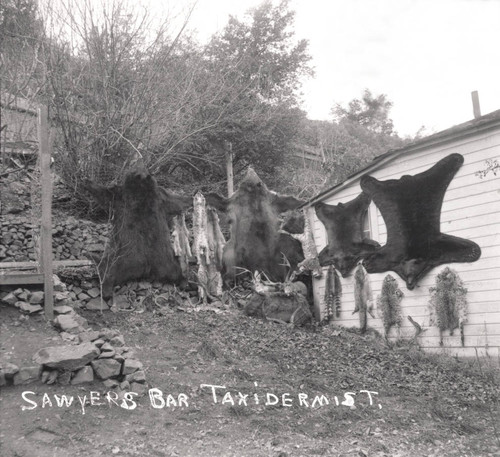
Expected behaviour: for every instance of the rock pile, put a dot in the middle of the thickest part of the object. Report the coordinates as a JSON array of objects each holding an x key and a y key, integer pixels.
[
  {"x": 71, "y": 239},
  {"x": 89, "y": 354}
]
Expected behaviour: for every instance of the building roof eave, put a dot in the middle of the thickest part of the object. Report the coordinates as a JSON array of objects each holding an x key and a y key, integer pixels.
[{"x": 487, "y": 122}]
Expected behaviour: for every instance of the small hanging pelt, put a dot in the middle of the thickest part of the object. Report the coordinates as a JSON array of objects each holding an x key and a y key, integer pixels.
[
  {"x": 329, "y": 294},
  {"x": 180, "y": 237},
  {"x": 311, "y": 261},
  {"x": 363, "y": 298},
  {"x": 207, "y": 246},
  {"x": 338, "y": 292},
  {"x": 333, "y": 291}
]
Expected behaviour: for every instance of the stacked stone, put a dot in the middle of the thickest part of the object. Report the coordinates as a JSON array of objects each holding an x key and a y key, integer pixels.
[
  {"x": 71, "y": 239},
  {"x": 86, "y": 291},
  {"x": 100, "y": 355},
  {"x": 89, "y": 355},
  {"x": 31, "y": 301}
]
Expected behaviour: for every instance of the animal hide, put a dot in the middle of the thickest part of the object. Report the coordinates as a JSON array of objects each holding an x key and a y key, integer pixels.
[
  {"x": 362, "y": 296},
  {"x": 311, "y": 261},
  {"x": 180, "y": 236},
  {"x": 333, "y": 292},
  {"x": 255, "y": 243},
  {"x": 344, "y": 227},
  {"x": 411, "y": 208},
  {"x": 448, "y": 303},
  {"x": 389, "y": 304},
  {"x": 140, "y": 246},
  {"x": 207, "y": 245}
]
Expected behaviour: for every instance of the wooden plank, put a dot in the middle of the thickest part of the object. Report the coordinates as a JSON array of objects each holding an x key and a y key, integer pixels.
[
  {"x": 56, "y": 264},
  {"x": 14, "y": 279},
  {"x": 46, "y": 226},
  {"x": 229, "y": 169}
]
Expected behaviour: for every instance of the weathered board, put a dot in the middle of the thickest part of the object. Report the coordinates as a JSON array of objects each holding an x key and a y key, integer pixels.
[{"x": 471, "y": 209}]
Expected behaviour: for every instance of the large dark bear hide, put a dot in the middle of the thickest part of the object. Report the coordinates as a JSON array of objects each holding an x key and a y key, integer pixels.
[
  {"x": 255, "y": 242},
  {"x": 344, "y": 228},
  {"x": 411, "y": 208},
  {"x": 140, "y": 246}
]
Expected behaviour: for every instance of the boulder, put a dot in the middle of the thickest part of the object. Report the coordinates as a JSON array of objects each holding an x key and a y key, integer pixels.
[
  {"x": 89, "y": 335},
  {"x": 67, "y": 358},
  {"x": 52, "y": 377},
  {"x": 117, "y": 341},
  {"x": 36, "y": 298},
  {"x": 62, "y": 298},
  {"x": 64, "y": 309},
  {"x": 69, "y": 337},
  {"x": 96, "y": 304},
  {"x": 130, "y": 366},
  {"x": 121, "y": 301},
  {"x": 64, "y": 378},
  {"x": 94, "y": 292},
  {"x": 111, "y": 383},
  {"x": 27, "y": 308},
  {"x": 99, "y": 342},
  {"x": 27, "y": 375},
  {"x": 85, "y": 374},
  {"x": 59, "y": 286},
  {"x": 109, "y": 355},
  {"x": 66, "y": 323},
  {"x": 23, "y": 295},
  {"x": 136, "y": 376},
  {"x": 10, "y": 299},
  {"x": 8, "y": 369},
  {"x": 106, "y": 368}
]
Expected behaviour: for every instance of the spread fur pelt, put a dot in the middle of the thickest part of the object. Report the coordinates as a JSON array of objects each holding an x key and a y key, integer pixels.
[{"x": 363, "y": 298}]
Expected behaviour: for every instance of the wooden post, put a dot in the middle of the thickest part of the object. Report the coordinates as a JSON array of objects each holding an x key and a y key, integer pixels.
[
  {"x": 46, "y": 225},
  {"x": 229, "y": 169}
]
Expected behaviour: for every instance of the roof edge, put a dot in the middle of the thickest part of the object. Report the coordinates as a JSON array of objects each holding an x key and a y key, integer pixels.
[{"x": 487, "y": 122}]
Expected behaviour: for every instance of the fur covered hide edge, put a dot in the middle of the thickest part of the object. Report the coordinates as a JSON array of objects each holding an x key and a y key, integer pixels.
[{"x": 363, "y": 298}]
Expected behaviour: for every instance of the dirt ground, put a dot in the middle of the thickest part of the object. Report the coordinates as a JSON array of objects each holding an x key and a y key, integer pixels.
[{"x": 425, "y": 406}]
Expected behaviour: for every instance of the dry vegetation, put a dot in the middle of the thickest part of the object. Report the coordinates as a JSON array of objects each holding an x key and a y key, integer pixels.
[{"x": 430, "y": 405}]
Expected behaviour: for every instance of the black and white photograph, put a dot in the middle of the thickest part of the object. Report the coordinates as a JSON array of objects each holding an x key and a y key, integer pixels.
[{"x": 250, "y": 228}]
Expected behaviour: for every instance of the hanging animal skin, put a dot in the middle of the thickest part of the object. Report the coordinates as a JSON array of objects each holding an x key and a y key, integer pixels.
[
  {"x": 363, "y": 299},
  {"x": 344, "y": 227},
  {"x": 411, "y": 208}
]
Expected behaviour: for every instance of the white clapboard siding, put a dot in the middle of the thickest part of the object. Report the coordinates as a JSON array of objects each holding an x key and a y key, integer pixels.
[{"x": 471, "y": 209}]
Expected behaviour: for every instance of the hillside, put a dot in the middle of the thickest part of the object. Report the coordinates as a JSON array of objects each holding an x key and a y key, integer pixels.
[{"x": 428, "y": 406}]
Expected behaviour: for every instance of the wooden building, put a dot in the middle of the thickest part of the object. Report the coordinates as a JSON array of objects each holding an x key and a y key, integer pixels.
[{"x": 471, "y": 210}]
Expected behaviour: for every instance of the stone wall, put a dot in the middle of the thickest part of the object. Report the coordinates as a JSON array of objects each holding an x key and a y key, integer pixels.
[{"x": 71, "y": 238}]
